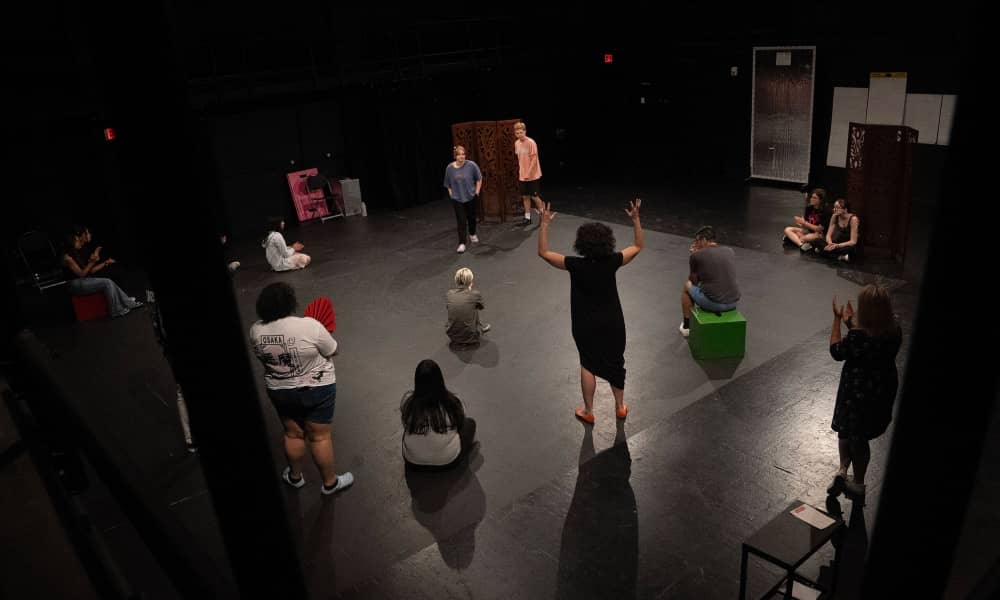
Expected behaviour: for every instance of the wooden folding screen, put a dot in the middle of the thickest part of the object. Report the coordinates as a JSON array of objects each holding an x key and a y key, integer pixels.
[
  {"x": 879, "y": 166},
  {"x": 491, "y": 145}
]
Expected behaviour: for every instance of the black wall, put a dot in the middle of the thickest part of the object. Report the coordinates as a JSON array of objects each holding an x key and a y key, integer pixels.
[{"x": 379, "y": 107}]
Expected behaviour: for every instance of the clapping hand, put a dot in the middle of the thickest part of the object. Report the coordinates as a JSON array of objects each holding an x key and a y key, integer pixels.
[
  {"x": 96, "y": 254},
  {"x": 848, "y": 312},
  {"x": 838, "y": 311},
  {"x": 297, "y": 246}
]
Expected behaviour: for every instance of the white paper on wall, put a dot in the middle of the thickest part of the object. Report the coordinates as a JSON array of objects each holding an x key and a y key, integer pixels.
[
  {"x": 922, "y": 113},
  {"x": 947, "y": 115},
  {"x": 886, "y": 98},
  {"x": 849, "y": 104}
]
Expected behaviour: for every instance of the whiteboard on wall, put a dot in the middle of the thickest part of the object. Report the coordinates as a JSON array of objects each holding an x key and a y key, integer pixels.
[
  {"x": 849, "y": 104},
  {"x": 886, "y": 98},
  {"x": 947, "y": 114},
  {"x": 923, "y": 112}
]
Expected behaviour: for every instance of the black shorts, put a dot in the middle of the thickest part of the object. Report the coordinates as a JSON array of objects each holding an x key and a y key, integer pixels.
[{"x": 530, "y": 188}]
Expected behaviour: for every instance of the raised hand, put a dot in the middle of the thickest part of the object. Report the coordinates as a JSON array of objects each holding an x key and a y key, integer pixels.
[
  {"x": 297, "y": 246},
  {"x": 838, "y": 311},
  {"x": 546, "y": 213},
  {"x": 96, "y": 254},
  {"x": 633, "y": 210}
]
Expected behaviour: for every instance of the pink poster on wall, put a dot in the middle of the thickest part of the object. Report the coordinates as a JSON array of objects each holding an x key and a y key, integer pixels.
[{"x": 307, "y": 206}]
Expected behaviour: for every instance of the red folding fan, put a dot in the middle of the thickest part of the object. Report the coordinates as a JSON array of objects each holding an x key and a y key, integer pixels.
[{"x": 321, "y": 309}]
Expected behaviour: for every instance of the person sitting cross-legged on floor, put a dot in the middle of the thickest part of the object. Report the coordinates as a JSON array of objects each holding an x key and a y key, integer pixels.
[
  {"x": 463, "y": 304},
  {"x": 711, "y": 283},
  {"x": 842, "y": 234},
  {"x": 808, "y": 229},
  {"x": 436, "y": 432}
]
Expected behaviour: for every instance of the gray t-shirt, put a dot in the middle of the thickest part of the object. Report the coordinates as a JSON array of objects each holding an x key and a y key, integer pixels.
[
  {"x": 463, "y": 315},
  {"x": 715, "y": 267}
]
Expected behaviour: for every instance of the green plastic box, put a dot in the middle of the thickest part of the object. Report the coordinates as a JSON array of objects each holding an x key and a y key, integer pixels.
[{"x": 713, "y": 336}]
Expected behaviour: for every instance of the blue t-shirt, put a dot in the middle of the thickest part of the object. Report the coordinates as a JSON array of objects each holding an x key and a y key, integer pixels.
[{"x": 462, "y": 181}]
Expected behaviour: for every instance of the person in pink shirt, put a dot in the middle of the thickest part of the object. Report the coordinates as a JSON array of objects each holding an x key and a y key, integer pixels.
[{"x": 529, "y": 171}]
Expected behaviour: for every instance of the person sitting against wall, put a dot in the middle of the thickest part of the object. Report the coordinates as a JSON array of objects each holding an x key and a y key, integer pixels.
[
  {"x": 280, "y": 255},
  {"x": 81, "y": 266},
  {"x": 842, "y": 234},
  {"x": 463, "y": 304},
  {"x": 808, "y": 229},
  {"x": 436, "y": 432}
]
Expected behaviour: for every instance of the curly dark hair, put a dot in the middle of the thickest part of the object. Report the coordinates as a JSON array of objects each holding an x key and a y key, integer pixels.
[
  {"x": 594, "y": 240},
  {"x": 276, "y": 301}
]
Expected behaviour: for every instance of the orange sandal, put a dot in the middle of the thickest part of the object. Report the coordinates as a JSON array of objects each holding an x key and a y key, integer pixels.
[
  {"x": 583, "y": 416},
  {"x": 621, "y": 414}
]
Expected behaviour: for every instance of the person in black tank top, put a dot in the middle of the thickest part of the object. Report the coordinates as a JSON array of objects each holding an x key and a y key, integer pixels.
[{"x": 842, "y": 234}]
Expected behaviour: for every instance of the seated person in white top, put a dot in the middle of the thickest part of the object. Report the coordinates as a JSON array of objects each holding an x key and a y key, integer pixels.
[
  {"x": 436, "y": 432},
  {"x": 279, "y": 255}
]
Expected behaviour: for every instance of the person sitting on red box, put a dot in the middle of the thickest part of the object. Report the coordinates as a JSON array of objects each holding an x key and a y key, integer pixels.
[{"x": 81, "y": 266}]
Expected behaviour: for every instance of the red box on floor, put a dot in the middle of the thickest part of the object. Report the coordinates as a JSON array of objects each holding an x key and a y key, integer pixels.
[{"x": 89, "y": 307}]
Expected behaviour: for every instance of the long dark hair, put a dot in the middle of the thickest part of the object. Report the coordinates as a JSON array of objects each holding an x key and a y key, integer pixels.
[
  {"x": 273, "y": 224},
  {"x": 429, "y": 405}
]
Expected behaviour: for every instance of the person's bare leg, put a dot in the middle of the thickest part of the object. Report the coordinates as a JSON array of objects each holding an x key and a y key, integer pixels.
[
  {"x": 295, "y": 447},
  {"x": 793, "y": 233},
  {"x": 844, "y": 449},
  {"x": 321, "y": 447},
  {"x": 619, "y": 395},
  {"x": 588, "y": 384},
  {"x": 538, "y": 203},
  {"x": 861, "y": 453},
  {"x": 686, "y": 303},
  {"x": 526, "y": 200}
]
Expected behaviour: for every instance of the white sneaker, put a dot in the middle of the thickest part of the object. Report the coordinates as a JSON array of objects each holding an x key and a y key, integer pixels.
[
  {"x": 474, "y": 239},
  {"x": 287, "y": 476},
  {"x": 527, "y": 217},
  {"x": 484, "y": 328},
  {"x": 234, "y": 265},
  {"x": 461, "y": 248},
  {"x": 343, "y": 482},
  {"x": 844, "y": 258},
  {"x": 684, "y": 330},
  {"x": 806, "y": 247}
]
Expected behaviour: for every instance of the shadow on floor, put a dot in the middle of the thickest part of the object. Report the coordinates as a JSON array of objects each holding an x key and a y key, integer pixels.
[{"x": 598, "y": 556}]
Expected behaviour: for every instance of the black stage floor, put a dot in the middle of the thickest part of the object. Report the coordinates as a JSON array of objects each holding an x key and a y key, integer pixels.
[{"x": 547, "y": 507}]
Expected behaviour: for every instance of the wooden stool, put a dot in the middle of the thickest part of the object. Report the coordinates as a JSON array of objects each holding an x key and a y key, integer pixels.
[
  {"x": 714, "y": 336},
  {"x": 90, "y": 306}
]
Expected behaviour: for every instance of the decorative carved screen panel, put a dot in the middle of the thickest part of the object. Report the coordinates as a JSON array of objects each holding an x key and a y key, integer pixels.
[{"x": 491, "y": 145}]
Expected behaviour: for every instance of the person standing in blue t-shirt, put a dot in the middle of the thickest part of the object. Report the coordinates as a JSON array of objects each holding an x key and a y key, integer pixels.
[{"x": 463, "y": 179}]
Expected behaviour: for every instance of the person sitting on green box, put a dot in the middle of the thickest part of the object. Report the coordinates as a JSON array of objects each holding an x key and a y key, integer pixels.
[{"x": 711, "y": 283}]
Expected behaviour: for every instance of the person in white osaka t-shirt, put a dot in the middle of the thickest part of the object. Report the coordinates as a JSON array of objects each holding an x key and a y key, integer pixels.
[{"x": 297, "y": 354}]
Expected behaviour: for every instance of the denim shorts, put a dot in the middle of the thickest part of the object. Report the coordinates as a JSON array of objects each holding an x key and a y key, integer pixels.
[
  {"x": 703, "y": 301},
  {"x": 313, "y": 403}
]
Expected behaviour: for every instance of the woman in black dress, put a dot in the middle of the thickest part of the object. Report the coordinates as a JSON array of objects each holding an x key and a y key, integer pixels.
[
  {"x": 598, "y": 323},
  {"x": 868, "y": 382}
]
